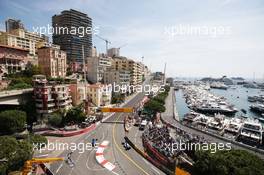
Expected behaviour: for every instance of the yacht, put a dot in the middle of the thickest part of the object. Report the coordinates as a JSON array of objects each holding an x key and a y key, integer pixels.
[
  {"x": 251, "y": 132},
  {"x": 218, "y": 85},
  {"x": 259, "y": 108},
  {"x": 191, "y": 117},
  {"x": 212, "y": 109},
  {"x": 234, "y": 125},
  {"x": 202, "y": 121},
  {"x": 203, "y": 101},
  {"x": 259, "y": 99},
  {"x": 217, "y": 123}
]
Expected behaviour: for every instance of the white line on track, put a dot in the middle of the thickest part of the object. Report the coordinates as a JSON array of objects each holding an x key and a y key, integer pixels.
[
  {"x": 114, "y": 173},
  {"x": 145, "y": 161},
  {"x": 155, "y": 169},
  {"x": 61, "y": 165}
]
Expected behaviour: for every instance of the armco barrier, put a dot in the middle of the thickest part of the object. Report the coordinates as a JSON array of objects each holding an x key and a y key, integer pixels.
[{"x": 157, "y": 164}]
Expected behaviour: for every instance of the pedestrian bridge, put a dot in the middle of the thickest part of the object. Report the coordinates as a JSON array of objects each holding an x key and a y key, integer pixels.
[{"x": 15, "y": 97}]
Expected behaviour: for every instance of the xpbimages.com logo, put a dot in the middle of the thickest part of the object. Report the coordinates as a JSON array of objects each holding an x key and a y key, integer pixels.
[
  {"x": 147, "y": 89},
  {"x": 79, "y": 31},
  {"x": 183, "y": 146},
  {"x": 81, "y": 147}
]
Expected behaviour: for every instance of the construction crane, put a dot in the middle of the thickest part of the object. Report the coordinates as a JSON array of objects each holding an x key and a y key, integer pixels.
[
  {"x": 28, "y": 164},
  {"x": 121, "y": 46},
  {"x": 107, "y": 42}
]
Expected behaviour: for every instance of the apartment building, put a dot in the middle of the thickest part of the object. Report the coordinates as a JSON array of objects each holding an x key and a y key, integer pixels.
[
  {"x": 52, "y": 62},
  {"x": 121, "y": 77},
  {"x": 96, "y": 66},
  {"x": 12, "y": 59},
  {"x": 78, "y": 92},
  {"x": 19, "y": 41},
  {"x": 99, "y": 94},
  {"x": 50, "y": 97},
  {"x": 17, "y": 36}
]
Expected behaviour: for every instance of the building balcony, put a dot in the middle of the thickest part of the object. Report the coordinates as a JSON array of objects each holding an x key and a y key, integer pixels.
[{"x": 45, "y": 111}]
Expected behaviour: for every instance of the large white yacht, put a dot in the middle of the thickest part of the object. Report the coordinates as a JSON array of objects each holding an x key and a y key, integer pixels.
[
  {"x": 233, "y": 127},
  {"x": 217, "y": 123},
  {"x": 251, "y": 132}
]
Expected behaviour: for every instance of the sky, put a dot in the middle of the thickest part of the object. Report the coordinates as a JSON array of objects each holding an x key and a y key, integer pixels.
[{"x": 205, "y": 38}]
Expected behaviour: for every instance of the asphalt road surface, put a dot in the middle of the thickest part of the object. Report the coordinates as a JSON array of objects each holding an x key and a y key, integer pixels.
[{"x": 126, "y": 162}]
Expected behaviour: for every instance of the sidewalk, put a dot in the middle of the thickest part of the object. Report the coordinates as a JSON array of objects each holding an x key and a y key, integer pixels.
[{"x": 170, "y": 104}]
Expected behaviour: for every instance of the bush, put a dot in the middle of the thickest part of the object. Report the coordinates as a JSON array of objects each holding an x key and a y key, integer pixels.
[
  {"x": 12, "y": 121},
  {"x": 55, "y": 120},
  {"x": 23, "y": 79},
  {"x": 37, "y": 139},
  {"x": 19, "y": 86}
]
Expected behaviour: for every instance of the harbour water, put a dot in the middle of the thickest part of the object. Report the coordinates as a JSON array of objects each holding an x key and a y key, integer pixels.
[{"x": 236, "y": 96}]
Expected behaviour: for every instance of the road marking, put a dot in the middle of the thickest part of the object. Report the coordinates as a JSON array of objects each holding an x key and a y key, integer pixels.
[
  {"x": 100, "y": 156},
  {"x": 114, "y": 173},
  {"x": 120, "y": 150},
  {"x": 145, "y": 161},
  {"x": 78, "y": 157},
  {"x": 93, "y": 169},
  {"x": 43, "y": 155},
  {"x": 152, "y": 167},
  {"x": 136, "y": 136},
  {"x": 61, "y": 165}
]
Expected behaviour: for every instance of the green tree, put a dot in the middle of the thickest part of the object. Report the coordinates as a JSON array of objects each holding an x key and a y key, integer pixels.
[
  {"x": 233, "y": 162},
  {"x": 12, "y": 121},
  {"x": 117, "y": 98},
  {"x": 154, "y": 107},
  {"x": 14, "y": 153},
  {"x": 30, "y": 110},
  {"x": 31, "y": 70},
  {"x": 75, "y": 115},
  {"x": 160, "y": 98}
]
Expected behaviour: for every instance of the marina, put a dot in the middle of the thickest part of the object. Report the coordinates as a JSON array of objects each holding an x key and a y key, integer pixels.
[
  {"x": 241, "y": 104},
  {"x": 226, "y": 113}
]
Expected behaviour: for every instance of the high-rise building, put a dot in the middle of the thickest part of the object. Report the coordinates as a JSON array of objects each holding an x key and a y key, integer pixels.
[
  {"x": 72, "y": 30},
  {"x": 52, "y": 61},
  {"x": 12, "y": 24},
  {"x": 113, "y": 52}
]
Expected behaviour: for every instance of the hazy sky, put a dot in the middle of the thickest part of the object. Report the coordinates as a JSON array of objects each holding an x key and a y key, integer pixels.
[{"x": 155, "y": 29}]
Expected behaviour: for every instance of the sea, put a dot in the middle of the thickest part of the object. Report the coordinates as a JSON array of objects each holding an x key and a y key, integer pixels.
[{"x": 237, "y": 95}]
